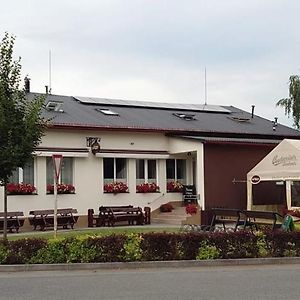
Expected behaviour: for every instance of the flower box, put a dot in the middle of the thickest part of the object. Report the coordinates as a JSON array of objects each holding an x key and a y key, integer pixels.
[
  {"x": 20, "y": 189},
  {"x": 115, "y": 188},
  {"x": 174, "y": 187},
  {"x": 147, "y": 188},
  {"x": 61, "y": 189}
]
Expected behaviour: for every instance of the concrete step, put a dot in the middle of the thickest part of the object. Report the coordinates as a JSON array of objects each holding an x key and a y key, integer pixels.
[
  {"x": 173, "y": 218},
  {"x": 165, "y": 221}
]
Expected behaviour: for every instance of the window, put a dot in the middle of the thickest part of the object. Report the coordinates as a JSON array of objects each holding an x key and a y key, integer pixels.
[
  {"x": 295, "y": 189},
  {"x": 146, "y": 171},
  {"x": 54, "y": 106},
  {"x": 114, "y": 170},
  {"x": 107, "y": 111},
  {"x": 23, "y": 175},
  {"x": 184, "y": 116},
  {"x": 66, "y": 175},
  {"x": 176, "y": 170}
]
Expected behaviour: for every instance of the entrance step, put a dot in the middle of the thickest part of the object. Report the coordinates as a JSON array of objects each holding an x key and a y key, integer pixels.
[{"x": 173, "y": 218}]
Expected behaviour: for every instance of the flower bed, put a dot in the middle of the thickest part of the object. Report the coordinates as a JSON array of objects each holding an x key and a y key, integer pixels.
[
  {"x": 20, "y": 189},
  {"x": 115, "y": 188},
  {"x": 174, "y": 187},
  {"x": 61, "y": 189},
  {"x": 147, "y": 188}
]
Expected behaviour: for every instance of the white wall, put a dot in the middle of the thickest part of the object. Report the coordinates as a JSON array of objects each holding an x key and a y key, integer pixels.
[{"x": 88, "y": 177}]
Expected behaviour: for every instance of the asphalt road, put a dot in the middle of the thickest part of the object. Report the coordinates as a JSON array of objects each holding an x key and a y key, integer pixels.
[{"x": 242, "y": 282}]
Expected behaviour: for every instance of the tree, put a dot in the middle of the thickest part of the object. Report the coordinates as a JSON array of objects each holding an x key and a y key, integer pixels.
[
  {"x": 21, "y": 123},
  {"x": 292, "y": 104}
]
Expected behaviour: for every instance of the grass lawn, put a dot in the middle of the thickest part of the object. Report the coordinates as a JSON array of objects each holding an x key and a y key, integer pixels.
[{"x": 97, "y": 231}]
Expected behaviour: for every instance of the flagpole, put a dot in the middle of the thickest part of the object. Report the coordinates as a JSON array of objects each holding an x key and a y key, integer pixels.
[
  {"x": 57, "y": 165},
  {"x": 55, "y": 207}
]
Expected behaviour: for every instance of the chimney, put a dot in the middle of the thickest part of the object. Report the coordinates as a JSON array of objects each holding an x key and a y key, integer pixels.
[
  {"x": 252, "y": 113},
  {"x": 46, "y": 86},
  {"x": 275, "y": 122},
  {"x": 27, "y": 84}
]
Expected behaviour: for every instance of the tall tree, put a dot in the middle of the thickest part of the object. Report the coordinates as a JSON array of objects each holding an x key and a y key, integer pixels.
[
  {"x": 292, "y": 104},
  {"x": 21, "y": 124}
]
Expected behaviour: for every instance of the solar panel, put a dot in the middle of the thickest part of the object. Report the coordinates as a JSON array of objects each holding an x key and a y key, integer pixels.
[{"x": 146, "y": 104}]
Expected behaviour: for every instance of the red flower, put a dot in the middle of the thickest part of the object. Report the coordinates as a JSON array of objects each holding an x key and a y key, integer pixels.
[
  {"x": 294, "y": 212},
  {"x": 191, "y": 209},
  {"x": 147, "y": 188},
  {"x": 115, "y": 187},
  {"x": 20, "y": 189},
  {"x": 174, "y": 187},
  {"x": 61, "y": 189},
  {"x": 166, "y": 207}
]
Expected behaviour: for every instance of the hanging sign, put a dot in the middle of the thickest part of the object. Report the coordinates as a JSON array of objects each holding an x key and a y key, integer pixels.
[
  {"x": 57, "y": 164},
  {"x": 255, "y": 179}
]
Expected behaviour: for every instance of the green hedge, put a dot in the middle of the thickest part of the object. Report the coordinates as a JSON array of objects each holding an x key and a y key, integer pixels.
[{"x": 151, "y": 247}]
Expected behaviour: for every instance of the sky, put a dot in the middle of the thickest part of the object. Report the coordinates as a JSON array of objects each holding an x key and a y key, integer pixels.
[{"x": 158, "y": 50}]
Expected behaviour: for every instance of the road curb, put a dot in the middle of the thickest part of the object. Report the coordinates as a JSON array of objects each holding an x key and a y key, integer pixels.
[{"x": 150, "y": 264}]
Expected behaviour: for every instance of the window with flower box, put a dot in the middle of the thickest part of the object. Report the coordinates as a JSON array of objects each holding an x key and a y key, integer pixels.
[
  {"x": 25, "y": 175},
  {"x": 21, "y": 182},
  {"x": 115, "y": 175},
  {"x": 146, "y": 176},
  {"x": 65, "y": 184},
  {"x": 176, "y": 174}
]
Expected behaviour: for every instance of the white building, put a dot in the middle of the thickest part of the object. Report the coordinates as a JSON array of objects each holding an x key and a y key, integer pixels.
[{"x": 140, "y": 142}]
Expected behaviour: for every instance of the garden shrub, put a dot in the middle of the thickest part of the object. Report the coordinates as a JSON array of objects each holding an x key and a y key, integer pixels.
[
  {"x": 159, "y": 246},
  {"x": 132, "y": 247},
  {"x": 107, "y": 248},
  {"x": 207, "y": 251},
  {"x": 79, "y": 251},
  {"x": 283, "y": 243},
  {"x": 53, "y": 253},
  {"x": 23, "y": 250},
  {"x": 190, "y": 244},
  {"x": 239, "y": 244},
  {"x": 167, "y": 207},
  {"x": 151, "y": 247},
  {"x": 3, "y": 252},
  {"x": 262, "y": 245}
]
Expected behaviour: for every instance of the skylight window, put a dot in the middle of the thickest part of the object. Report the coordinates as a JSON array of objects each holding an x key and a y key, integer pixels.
[
  {"x": 240, "y": 119},
  {"x": 107, "y": 111},
  {"x": 184, "y": 116},
  {"x": 55, "y": 106}
]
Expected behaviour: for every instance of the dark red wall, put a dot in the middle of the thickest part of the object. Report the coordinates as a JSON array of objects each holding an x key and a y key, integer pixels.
[{"x": 223, "y": 163}]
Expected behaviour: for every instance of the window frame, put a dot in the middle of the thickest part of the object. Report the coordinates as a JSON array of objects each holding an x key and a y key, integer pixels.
[
  {"x": 146, "y": 173},
  {"x": 176, "y": 171},
  {"x": 21, "y": 174},
  {"x": 60, "y": 177},
  {"x": 115, "y": 179}
]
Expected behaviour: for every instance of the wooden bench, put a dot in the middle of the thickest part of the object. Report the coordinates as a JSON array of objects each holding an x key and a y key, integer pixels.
[
  {"x": 227, "y": 217},
  {"x": 103, "y": 218},
  {"x": 45, "y": 218},
  {"x": 132, "y": 215},
  {"x": 15, "y": 220},
  {"x": 255, "y": 218}
]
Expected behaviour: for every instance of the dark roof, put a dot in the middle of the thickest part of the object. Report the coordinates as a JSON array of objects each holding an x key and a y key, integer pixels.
[{"x": 134, "y": 115}]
